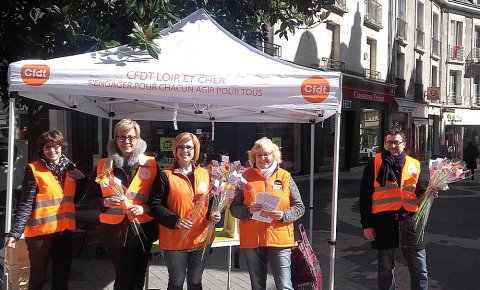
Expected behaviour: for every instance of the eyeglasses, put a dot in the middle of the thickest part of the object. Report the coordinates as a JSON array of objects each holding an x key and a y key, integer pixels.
[
  {"x": 394, "y": 142},
  {"x": 264, "y": 155},
  {"x": 50, "y": 147},
  {"x": 125, "y": 138},
  {"x": 185, "y": 147}
]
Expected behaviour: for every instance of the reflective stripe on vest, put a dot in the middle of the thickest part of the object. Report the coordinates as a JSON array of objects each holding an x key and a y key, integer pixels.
[
  {"x": 53, "y": 209},
  {"x": 183, "y": 201},
  {"x": 391, "y": 197},
  {"x": 138, "y": 192},
  {"x": 255, "y": 234},
  {"x": 49, "y": 219}
]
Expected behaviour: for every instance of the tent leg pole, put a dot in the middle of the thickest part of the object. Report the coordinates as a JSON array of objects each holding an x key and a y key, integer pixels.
[
  {"x": 9, "y": 197},
  {"x": 333, "y": 226},
  {"x": 110, "y": 124},
  {"x": 312, "y": 169}
]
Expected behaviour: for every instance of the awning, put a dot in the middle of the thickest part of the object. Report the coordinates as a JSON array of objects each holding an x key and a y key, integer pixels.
[
  {"x": 357, "y": 88},
  {"x": 406, "y": 105}
]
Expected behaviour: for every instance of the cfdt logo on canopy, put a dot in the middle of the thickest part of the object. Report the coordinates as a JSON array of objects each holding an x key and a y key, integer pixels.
[
  {"x": 315, "y": 89},
  {"x": 35, "y": 74}
]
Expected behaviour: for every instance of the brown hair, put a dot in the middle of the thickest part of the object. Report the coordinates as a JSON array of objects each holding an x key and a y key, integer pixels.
[
  {"x": 395, "y": 131},
  {"x": 54, "y": 137},
  {"x": 183, "y": 138}
]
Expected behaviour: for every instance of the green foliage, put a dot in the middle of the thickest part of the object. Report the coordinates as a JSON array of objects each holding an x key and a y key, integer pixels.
[{"x": 46, "y": 29}]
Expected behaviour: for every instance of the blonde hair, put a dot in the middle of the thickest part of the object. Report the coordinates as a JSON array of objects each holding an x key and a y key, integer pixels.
[
  {"x": 125, "y": 125},
  {"x": 183, "y": 138},
  {"x": 264, "y": 144}
]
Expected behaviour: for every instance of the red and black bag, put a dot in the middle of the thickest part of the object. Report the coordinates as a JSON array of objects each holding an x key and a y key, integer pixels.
[{"x": 306, "y": 271}]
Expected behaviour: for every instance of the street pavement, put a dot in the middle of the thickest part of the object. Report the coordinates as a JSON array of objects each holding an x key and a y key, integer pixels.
[{"x": 453, "y": 245}]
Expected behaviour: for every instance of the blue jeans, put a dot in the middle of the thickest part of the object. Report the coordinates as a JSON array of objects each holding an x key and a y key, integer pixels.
[
  {"x": 279, "y": 259},
  {"x": 185, "y": 263},
  {"x": 414, "y": 255}
]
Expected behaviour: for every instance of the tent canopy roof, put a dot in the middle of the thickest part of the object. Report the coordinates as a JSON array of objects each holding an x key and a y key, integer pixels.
[{"x": 203, "y": 73}]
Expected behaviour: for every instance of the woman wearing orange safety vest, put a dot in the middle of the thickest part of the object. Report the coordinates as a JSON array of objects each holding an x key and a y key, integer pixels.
[
  {"x": 46, "y": 212},
  {"x": 138, "y": 175},
  {"x": 181, "y": 207},
  {"x": 267, "y": 242}
]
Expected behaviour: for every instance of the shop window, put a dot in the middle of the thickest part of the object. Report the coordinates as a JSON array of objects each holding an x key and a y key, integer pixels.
[{"x": 370, "y": 135}]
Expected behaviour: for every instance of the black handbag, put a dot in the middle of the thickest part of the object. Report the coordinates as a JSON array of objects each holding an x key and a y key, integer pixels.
[{"x": 305, "y": 268}]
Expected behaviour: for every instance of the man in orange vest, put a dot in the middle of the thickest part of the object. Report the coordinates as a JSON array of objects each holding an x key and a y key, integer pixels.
[{"x": 388, "y": 200}]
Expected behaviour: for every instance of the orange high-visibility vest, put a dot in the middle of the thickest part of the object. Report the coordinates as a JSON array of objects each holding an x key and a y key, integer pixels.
[
  {"x": 393, "y": 196},
  {"x": 255, "y": 234},
  {"x": 185, "y": 202},
  {"x": 53, "y": 209},
  {"x": 138, "y": 192}
]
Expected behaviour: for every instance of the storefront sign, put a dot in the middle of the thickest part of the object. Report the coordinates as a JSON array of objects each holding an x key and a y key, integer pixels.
[
  {"x": 355, "y": 88},
  {"x": 367, "y": 96},
  {"x": 346, "y": 104},
  {"x": 454, "y": 118},
  {"x": 418, "y": 121},
  {"x": 433, "y": 93},
  {"x": 406, "y": 105},
  {"x": 166, "y": 144},
  {"x": 405, "y": 109}
]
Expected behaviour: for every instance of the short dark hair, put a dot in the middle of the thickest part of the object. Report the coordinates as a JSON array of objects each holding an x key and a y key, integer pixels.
[
  {"x": 52, "y": 136},
  {"x": 395, "y": 131}
]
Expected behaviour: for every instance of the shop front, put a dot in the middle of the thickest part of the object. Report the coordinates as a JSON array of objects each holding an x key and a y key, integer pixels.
[
  {"x": 412, "y": 118},
  {"x": 461, "y": 126},
  {"x": 365, "y": 117}
]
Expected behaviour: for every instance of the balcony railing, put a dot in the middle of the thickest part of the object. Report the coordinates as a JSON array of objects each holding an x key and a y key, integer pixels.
[
  {"x": 331, "y": 64},
  {"x": 269, "y": 48},
  {"x": 372, "y": 74},
  {"x": 454, "y": 99},
  {"x": 476, "y": 53},
  {"x": 476, "y": 93},
  {"x": 456, "y": 52},
  {"x": 340, "y": 6},
  {"x": 401, "y": 29},
  {"x": 373, "y": 13},
  {"x": 420, "y": 39},
  {"x": 400, "y": 90},
  {"x": 435, "y": 47}
]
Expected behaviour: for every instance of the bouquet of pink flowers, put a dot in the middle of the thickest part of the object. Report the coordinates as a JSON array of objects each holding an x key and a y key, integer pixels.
[
  {"x": 226, "y": 177},
  {"x": 442, "y": 172},
  {"x": 107, "y": 179}
]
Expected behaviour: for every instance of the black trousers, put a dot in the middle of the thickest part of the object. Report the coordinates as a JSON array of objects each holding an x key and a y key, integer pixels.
[
  {"x": 130, "y": 266},
  {"x": 58, "y": 248}
]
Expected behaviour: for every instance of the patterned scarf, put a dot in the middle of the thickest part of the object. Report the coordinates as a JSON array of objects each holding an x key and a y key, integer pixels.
[
  {"x": 390, "y": 165},
  {"x": 59, "y": 169}
]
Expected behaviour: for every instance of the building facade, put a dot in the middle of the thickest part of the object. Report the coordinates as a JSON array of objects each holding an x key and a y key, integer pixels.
[{"x": 408, "y": 64}]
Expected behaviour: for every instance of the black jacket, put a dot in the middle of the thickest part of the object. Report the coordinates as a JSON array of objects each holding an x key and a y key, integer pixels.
[{"x": 386, "y": 224}]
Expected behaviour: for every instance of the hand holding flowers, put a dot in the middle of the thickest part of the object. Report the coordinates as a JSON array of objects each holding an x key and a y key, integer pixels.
[
  {"x": 120, "y": 200},
  {"x": 226, "y": 177},
  {"x": 442, "y": 172}
]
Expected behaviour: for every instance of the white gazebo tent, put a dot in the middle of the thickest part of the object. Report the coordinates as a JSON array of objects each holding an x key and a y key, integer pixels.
[{"x": 203, "y": 74}]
